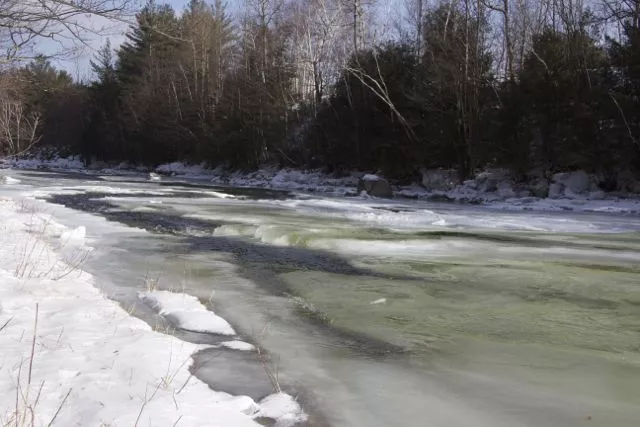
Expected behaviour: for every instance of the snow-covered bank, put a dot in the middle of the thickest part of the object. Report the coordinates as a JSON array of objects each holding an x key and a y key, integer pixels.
[
  {"x": 494, "y": 189},
  {"x": 75, "y": 357}
]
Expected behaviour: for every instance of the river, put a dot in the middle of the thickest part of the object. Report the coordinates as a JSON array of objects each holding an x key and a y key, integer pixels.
[{"x": 381, "y": 313}]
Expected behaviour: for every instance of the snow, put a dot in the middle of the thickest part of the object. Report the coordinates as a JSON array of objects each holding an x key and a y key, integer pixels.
[
  {"x": 73, "y": 237},
  {"x": 371, "y": 177},
  {"x": 8, "y": 180},
  {"x": 59, "y": 163},
  {"x": 493, "y": 188},
  {"x": 186, "y": 312},
  {"x": 281, "y": 407},
  {"x": 438, "y": 179},
  {"x": 238, "y": 345},
  {"x": 92, "y": 363},
  {"x": 179, "y": 168}
]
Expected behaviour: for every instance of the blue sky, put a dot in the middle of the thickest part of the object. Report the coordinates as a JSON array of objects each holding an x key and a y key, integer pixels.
[{"x": 78, "y": 63}]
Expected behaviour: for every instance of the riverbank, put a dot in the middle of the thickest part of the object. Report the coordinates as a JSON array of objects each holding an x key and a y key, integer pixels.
[
  {"x": 495, "y": 189},
  {"x": 71, "y": 356}
]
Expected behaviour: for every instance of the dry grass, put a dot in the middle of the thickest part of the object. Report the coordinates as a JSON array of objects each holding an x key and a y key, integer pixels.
[
  {"x": 27, "y": 396},
  {"x": 32, "y": 254}
]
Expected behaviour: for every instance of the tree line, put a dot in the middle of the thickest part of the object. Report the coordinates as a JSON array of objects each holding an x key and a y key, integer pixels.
[{"x": 548, "y": 85}]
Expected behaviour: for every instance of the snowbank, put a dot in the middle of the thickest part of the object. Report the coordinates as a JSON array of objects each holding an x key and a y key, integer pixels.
[
  {"x": 72, "y": 355},
  {"x": 493, "y": 188},
  {"x": 55, "y": 163},
  {"x": 186, "y": 312},
  {"x": 7, "y": 180},
  {"x": 179, "y": 168}
]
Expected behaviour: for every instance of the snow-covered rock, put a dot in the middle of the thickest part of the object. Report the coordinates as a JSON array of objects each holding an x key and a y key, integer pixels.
[
  {"x": 375, "y": 186},
  {"x": 628, "y": 182},
  {"x": 556, "y": 190},
  {"x": 439, "y": 179},
  {"x": 488, "y": 181},
  {"x": 55, "y": 163},
  {"x": 505, "y": 190},
  {"x": 570, "y": 184},
  {"x": 283, "y": 408},
  {"x": 180, "y": 168},
  {"x": 539, "y": 187},
  {"x": 7, "y": 180}
]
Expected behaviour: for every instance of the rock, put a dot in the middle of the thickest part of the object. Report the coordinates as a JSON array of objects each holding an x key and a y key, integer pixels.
[
  {"x": 540, "y": 188},
  {"x": 154, "y": 176},
  {"x": 375, "y": 186},
  {"x": 488, "y": 181},
  {"x": 577, "y": 183},
  {"x": 555, "y": 190},
  {"x": 628, "y": 182},
  {"x": 572, "y": 183},
  {"x": 505, "y": 190},
  {"x": 439, "y": 179},
  {"x": 470, "y": 184}
]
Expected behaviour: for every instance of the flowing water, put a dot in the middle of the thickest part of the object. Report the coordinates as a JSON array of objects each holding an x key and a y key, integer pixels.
[{"x": 384, "y": 313}]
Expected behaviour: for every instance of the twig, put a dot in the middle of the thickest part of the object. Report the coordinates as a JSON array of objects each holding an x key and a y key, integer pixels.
[
  {"x": 624, "y": 119},
  {"x": 33, "y": 345},
  {"x": 5, "y": 324},
  {"x": 59, "y": 408}
]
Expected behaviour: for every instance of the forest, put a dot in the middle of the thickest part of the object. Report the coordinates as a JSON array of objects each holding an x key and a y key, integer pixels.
[{"x": 343, "y": 85}]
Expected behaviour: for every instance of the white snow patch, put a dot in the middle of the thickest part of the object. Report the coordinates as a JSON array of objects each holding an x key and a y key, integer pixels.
[
  {"x": 73, "y": 237},
  {"x": 370, "y": 177},
  {"x": 281, "y": 407},
  {"x": 9, "y": 180},
  {"x": 238, "y": 345},
  {"x": 186, "y": 312},
  {"x": 379, "y": 301},
  {"x": 61, "y": 163}
]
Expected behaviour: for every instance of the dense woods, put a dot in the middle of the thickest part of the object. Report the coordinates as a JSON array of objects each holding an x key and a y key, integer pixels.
[{"x": 529, "y": 85}]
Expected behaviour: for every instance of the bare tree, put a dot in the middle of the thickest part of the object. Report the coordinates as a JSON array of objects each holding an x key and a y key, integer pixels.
[
  {"x": 318, "y": 45},
  {"x": 18, "y": 127},
  {"x": 23, "y": 22}
]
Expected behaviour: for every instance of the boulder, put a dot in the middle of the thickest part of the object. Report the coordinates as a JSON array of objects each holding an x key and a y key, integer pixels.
[
  {"x": 540, "y": 188},
  {"x": 570, "y": 184},
  {"x": 439, "y": 179},
  {"x": 375, "y": 186},
  {"x": 628, "y": 182},
  {"x": 505, "y": 190},
  {"x": 577, "y": 182},
  {"x": 555, "y": 190},
  {"x": 489, "y": 180}
]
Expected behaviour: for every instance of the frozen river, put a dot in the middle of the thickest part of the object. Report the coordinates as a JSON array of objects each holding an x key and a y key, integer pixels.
[{"x": 382, "y": 313}]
